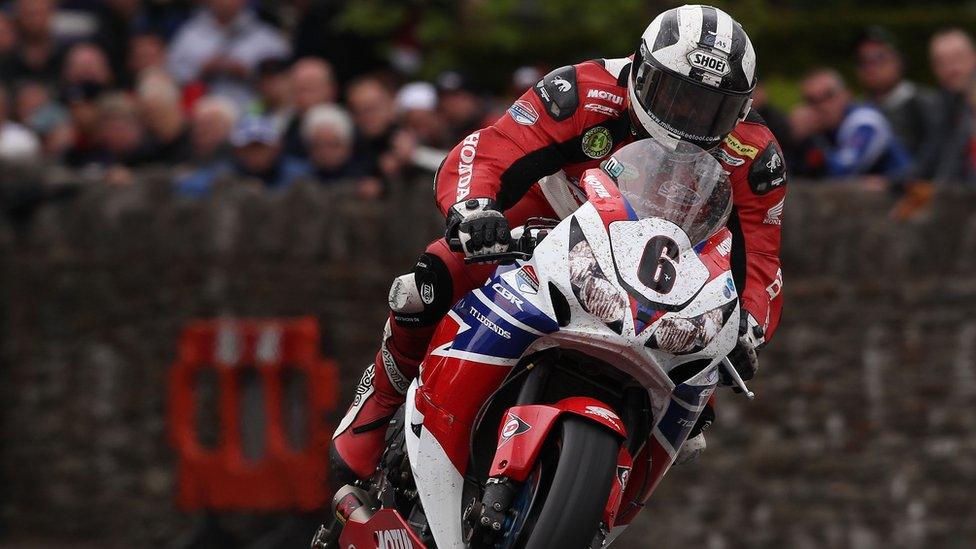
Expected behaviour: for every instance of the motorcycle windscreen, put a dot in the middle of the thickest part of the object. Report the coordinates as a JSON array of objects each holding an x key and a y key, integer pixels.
[{"x": 686, "y": 186}]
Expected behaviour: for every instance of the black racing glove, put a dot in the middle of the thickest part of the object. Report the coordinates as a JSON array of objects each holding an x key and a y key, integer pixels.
[
  {"x": 743, "y": 356},
  {"x": 476, "y": 227}
]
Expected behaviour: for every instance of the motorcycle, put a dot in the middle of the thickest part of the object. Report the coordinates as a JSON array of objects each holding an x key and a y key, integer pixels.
[{"x": 554, "y": 398}]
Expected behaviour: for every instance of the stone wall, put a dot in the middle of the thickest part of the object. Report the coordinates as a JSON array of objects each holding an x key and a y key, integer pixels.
[{"x": 863, "y": 433}]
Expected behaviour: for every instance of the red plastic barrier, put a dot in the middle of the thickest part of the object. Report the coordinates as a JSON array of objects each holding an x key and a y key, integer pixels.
[{"x": 223, "y": 477}]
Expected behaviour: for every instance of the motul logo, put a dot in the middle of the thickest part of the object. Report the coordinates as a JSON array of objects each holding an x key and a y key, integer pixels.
[
  {"x": 606, "y": 96},
  {"x": 597, "y": 186},
  {"x": 393, "y": 539}
]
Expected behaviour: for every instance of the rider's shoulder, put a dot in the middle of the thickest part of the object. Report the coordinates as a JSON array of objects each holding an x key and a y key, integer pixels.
[
  {"x": 599, "y": 83},
  {"x": 751, "y": 146}
]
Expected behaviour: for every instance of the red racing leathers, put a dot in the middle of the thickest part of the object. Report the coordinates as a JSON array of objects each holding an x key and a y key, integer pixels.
[{"x": 573, "y": 119}]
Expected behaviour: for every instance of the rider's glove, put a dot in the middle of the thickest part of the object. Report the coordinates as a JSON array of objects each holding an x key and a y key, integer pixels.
[
  {"x": 743, "y": 356},
  {"x": 476, "y": 227}
]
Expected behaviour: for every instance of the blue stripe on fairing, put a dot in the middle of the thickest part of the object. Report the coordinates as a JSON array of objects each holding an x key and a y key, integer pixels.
[
  {"x": 529, "y": 314},
  {"x": 631, "y": 214},
  {"x": 678, "y": 420},
  {"x": 482, "y": 339}
]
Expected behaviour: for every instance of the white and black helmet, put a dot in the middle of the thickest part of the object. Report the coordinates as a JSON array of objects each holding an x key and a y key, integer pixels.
[{"x": 692, "y": 77}]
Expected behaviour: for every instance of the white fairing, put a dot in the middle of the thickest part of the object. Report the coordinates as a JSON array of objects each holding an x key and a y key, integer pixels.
[{"x": 622, "y": 341}]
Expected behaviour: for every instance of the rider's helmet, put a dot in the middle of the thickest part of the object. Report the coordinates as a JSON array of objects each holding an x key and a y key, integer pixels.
[{"x": 692, "y": 77}]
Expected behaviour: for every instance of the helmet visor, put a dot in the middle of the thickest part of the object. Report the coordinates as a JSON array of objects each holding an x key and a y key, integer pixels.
[{"x": 693, "y": 111}]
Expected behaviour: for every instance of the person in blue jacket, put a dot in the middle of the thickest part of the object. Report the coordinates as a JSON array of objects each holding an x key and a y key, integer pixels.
[
  {"x": 843, "y": 138},
  {"x": 257, "y": 155}
]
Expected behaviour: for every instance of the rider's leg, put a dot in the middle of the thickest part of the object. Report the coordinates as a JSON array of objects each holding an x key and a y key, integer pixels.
[{"x": 418, "y": 300}]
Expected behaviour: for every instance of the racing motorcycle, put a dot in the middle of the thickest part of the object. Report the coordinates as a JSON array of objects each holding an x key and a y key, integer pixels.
[{"x": 554, "y": 398}]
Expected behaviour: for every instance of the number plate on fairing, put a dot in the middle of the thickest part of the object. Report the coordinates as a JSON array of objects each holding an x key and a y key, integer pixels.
[{"x": 648, "y": 264}]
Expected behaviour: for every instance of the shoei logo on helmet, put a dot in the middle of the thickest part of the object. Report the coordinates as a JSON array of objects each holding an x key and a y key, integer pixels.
[{"x": 708, "y": 62}]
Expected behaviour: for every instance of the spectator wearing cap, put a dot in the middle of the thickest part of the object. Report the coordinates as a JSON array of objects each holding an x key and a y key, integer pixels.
[
  {"x": 222, "y": 45},
  {"x": 38, "y": 54},
  {"x": 161, "y": 110},
  {"x": 257, "y": 156},
  {"x": 459, "y": 104},
  {"x": 417, "y": 105},
  {"x": 312, "y": 83},
  {"x": 329, "y": 137},
  {"x": 17, "y": 143},
  {"x": 949, "y": 158},
  {"x": 213, "y": 120},
  {"x": 908, "y": 107},
  {"x": 842, "y": 138}
]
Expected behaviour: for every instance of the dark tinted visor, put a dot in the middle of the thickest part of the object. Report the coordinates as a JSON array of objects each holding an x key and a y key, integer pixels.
[{"x": 691, "y": 110}]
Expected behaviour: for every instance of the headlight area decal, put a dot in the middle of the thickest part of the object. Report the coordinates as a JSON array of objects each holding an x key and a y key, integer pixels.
[
  {"x": 594, "y": 291},
  {"x": 682, "y": 336}
]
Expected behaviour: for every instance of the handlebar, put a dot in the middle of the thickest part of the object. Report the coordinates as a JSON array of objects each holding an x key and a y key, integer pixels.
[{"x": 520, "y": 249}]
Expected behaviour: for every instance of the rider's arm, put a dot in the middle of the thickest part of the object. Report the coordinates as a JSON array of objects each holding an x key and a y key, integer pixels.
[
  {"x": 759, "y": 193},
  {"x": 505, "y": 159}
]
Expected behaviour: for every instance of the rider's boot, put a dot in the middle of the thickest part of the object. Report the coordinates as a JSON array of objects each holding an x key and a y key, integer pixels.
[
  {"x": 694, "y": 445},
  {"x": 359, "y": 439}
]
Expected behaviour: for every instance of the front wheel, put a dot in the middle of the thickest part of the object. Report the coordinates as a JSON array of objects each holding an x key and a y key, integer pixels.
[{"x": 569, "y": 515}]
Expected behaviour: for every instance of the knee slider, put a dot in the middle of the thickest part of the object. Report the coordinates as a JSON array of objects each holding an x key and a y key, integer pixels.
[{"x": 422, "y": 297}]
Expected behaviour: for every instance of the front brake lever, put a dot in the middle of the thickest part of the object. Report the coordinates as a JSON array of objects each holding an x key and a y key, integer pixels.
[{"x": 737, "y": 379}]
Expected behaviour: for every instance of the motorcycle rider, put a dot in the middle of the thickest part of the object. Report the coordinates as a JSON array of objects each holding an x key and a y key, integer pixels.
[{"x": 690, "y": 79}]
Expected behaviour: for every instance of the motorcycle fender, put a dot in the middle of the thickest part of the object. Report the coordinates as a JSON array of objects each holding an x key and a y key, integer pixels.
[
  {"x": 525, "y": 428},
  {"x": 384, "y": 529}
]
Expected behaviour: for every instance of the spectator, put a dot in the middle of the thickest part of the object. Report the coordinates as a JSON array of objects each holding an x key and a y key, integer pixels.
[
  {"x": 329, "y": 138},
  {"x": 312, "y": 83},
  {"x": 36, "y": 109},
  {"x": 461, "y": 108},
  {"x": 162, "y": 115},
  {"x": 8, "y": 35},
  {"x": 147, "y": 50},
  {"x": 417, "y": 105},
  {"x": 222, "y": 45},
  {"x": 120, "y": 136},
  {"x": 82, "y": 103},
  {"x": 953, "y": 58},
  {"x": 374, "y": 113},
  {"x": 908, "y": 107},
  {"x": 38, "y": 54},
  {"x": 213, "y": 120},
  {"x": 274, "y": 91},
  {"x": 844, "y": 139},
  {"x": 17, "y": 143},
  {"x": 86, "y": 62},
  {"x": 257, "y": 156}
]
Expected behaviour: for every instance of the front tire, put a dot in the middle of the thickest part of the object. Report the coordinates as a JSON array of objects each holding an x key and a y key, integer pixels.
[{"x": 581, "y": 483}]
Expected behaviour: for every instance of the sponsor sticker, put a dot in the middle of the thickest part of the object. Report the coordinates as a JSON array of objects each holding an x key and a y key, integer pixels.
[
  {"x": 613, "y": 167},
  {"x": 527, "y": 281},
  {"x": 597, "y": 142},
  {"x": 601, "y": 109},
  {"x": 708, "y": 62},
  {"x": 393, "y": 539},
  {"x": 600, "y": 411},
  {"x": 729, "y": 289},
  {"x": 605, "y": 96},
  {"x": 725, "y": 158},
  {"x": 514, "y": 427},
  {"x": 523, "y": 113},
  {"x": 739, "y": 148}
]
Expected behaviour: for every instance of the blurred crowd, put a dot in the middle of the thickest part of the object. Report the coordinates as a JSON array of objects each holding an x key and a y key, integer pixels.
[
  {"x": 256, "y": 91},
  {"x": 899, "y": 132},
  {"x": 275, "y": 92}
]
